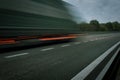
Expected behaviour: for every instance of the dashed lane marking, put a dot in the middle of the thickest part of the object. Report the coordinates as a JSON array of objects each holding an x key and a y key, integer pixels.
[
  {"x": 46, "y": 49},
  {"x": 65, "y": 45},
  {"x": 16, "y": 55},
  {"x": 86, "y": 41},
  {"x": 92, "y": 40},
  {"x": 77, "y": 42}
]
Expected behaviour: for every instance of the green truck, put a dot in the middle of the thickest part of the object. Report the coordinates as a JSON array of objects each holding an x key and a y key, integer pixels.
[{"x": 28, "y": 19}]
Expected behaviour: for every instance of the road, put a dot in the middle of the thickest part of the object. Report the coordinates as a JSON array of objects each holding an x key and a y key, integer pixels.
[{"x": 56, "y": 62}]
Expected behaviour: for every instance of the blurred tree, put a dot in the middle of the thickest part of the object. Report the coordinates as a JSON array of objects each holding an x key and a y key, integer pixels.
[
  {"x": 95, "y": 25},
  {"x": 109, "y": 26},
  {"x": 103, "y": 27},
  {"x": 116, "y": 26},
  {"x": 83, "y": 26}
]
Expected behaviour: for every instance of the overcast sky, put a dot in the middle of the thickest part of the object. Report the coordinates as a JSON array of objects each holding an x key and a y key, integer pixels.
[{"x": 102, "y": 10}]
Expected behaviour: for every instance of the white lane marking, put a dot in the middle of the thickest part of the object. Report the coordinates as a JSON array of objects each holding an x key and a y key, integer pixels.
[
  {"x": 97, "y": 38},
  {"x": 103, "y": 72},
  {"x": 21, "y": 54},
  {"x": 57, "y": 63},
  {"x": 87, "y": 70},
  {"x": 100, "y": 38},
  {"x": 66, "y": 45},
  {"x": 46, "y": 49},
  {"x": 85, "y": 41},
  {"x": 103, "y": 38},
  {"x": 91, "y": 40},
  {"x": 77, "y": 43}
]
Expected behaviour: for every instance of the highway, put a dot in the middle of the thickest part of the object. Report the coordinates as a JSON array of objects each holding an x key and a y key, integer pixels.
[{"x": 56, "y": 62}]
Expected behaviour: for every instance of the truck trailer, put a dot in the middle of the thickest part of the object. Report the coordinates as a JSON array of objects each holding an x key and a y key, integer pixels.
[{"x": 35, "y": 19}]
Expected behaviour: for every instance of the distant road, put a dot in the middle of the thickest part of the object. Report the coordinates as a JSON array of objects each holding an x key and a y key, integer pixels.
[{"x": 56, "y": 62}]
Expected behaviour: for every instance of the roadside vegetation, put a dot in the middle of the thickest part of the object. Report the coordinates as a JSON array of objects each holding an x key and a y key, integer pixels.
[{"x": 94, "y": 25}]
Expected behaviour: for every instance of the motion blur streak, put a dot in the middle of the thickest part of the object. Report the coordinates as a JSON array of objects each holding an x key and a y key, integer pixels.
[
  {"x": 77, "y": 15},
  {"x": 24, "y": 19}
]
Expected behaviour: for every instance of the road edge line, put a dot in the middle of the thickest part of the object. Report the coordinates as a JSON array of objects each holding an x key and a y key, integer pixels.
[{"x": 87, "y": 70}]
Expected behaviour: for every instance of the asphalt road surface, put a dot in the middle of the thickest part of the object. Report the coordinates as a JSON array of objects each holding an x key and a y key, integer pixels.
[{"x": 55, "y": 62}]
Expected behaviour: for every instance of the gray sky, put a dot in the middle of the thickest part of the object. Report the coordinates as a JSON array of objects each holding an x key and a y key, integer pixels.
[{"x": 102, "y": 10}]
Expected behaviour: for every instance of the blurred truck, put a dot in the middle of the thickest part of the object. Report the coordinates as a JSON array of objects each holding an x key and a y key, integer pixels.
[{"x": 35, "y": 19}]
